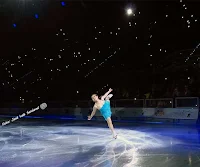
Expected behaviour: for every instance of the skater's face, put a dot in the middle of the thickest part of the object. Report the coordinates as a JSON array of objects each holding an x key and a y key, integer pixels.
[{"x": 94, "y": 97}]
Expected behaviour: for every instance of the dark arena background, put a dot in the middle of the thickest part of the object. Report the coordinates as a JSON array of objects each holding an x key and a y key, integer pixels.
[{"x": 55, "y": 54}]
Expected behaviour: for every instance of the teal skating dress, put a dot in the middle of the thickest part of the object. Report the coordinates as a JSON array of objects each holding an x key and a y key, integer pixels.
[{"x": 106, "y": 110}]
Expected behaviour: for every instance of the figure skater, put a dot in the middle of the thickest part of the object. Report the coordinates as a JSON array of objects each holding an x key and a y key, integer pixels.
[{"x": 103, "y": 105}]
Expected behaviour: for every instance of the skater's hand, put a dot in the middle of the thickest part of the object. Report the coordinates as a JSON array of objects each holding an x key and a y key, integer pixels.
[
  {"x": 110, "y": 90},
  {"x": 89, "y": 117}
]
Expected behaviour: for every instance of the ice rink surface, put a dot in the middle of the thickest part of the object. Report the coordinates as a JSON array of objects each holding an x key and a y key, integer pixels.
[{"x": 85, "y": 145}]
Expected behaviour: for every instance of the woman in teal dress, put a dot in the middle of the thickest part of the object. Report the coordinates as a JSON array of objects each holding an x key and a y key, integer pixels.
[{"x": 103, "y": 105}]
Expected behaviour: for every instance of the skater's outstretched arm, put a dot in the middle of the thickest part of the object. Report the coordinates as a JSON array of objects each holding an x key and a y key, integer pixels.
[
  {"x": 106, "y": 94},
  {"x": 93, "y": 113},
  {"x": 108, "y": 97}
]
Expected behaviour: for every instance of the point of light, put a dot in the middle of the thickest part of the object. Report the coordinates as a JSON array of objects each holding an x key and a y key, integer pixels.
[
  {"x": 36, "y": 16},
  {"x": 63, "y": 3},
  {"x": 14, "y": 25},
  {"x": 129, "y": 11}
]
